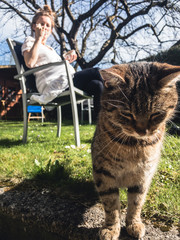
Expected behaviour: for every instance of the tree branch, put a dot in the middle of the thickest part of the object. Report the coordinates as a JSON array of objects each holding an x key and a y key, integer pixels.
[
  {"x": 138, "y": 29},
  {"x": 17, "y": 11},
  {"x": 127, "y": 10}
]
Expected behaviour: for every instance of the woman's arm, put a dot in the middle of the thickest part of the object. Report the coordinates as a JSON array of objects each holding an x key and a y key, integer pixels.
[{"x": 31, "y": 56}]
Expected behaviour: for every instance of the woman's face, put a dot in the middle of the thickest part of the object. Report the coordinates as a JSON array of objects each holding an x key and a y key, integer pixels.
[{"x": 44, "y": 26}]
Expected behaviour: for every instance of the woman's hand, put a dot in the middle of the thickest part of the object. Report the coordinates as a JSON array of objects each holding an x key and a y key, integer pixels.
[
  {"x": 39, "y": 32},
  {"x": 70, "y": 56}
]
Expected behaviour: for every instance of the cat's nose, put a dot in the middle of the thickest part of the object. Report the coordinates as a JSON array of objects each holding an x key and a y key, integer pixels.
[
  {"x": 141, "y": 127},
  {"x": 142, "y": 131}
]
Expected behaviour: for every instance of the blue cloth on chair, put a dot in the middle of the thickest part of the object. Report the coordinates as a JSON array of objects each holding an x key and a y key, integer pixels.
[{"x": 34, "y": 109}]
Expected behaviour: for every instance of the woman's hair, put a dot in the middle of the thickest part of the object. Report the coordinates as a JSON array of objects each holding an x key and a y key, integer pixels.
[{"x": 45, "y": 11}]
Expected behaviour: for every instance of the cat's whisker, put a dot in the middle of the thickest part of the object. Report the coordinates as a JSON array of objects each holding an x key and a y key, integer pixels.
[
  {"x": 171, "y": 122},
  {"x": 115, "y": 157},
  {"x": 113, "y": 105},
  {"x": 126, "y": 138},
  {"x": 105, "y": 143},
  {"x": 123, "y": 93},
  {"x": 123, "y": 136},
  {"x": 113, "y": 100},
  {"x": 101, "y": 134},
  {"x": 108, "y": 142},
  {"x": 115, "y": 138},
  {"x": 157, "y": 137},
  {"x": 120, "y": 103},
  {"x": 176, "y": 111},
  {"x": 169, "y": 135}
]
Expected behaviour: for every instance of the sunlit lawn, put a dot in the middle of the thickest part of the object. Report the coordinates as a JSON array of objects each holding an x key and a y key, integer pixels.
[
  {"x": 56, "y": 160},
  {"x": 43, "y": 148}
]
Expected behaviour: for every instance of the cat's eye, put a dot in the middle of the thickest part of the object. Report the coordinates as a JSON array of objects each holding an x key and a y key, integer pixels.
[
  {"x": 127, "y": 115},
  {"x": 158, "y": 116}
]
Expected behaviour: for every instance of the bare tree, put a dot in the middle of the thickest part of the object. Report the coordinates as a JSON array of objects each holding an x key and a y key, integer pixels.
[{"x": 104, "y": 28}]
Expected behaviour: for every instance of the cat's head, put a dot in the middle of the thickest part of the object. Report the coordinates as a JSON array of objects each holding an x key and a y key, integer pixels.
[{"x": 139, "y": 97}]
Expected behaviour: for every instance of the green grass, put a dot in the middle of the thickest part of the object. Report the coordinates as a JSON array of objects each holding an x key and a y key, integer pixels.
[
  {"x": 56, "y": 161},
  {"x": 43, "y": 150},
  {"x": 163, "y": 200}
]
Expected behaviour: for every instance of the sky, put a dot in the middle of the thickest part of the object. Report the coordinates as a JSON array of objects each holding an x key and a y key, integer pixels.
[
  {"x": 126, "y": 53},
  {"x": 6, "y": 32}
]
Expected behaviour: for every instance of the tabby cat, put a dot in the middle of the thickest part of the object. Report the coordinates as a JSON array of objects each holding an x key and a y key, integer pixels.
[{"x": 138, "y": 100}]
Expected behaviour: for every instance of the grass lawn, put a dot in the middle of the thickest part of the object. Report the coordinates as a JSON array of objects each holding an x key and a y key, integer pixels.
[{"x": 57, "y": 161}]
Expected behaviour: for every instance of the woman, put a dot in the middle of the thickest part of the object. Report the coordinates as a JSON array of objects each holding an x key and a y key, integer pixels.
[{"x": 52, "y": 81}]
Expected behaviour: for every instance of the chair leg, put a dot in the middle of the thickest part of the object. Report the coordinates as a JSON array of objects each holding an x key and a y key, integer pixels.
[
  {"x": 82, "y": 112},
  {"x": 89, "y": 111},
  {"x": 76, "y": 123},
  {"x": 25, "y": 120},
  {"x": 74, "y": 108},
  {"x": 75, "y": 120},
  {"x": 59, "y": 121},
  {"x": 42, "y": 114}
]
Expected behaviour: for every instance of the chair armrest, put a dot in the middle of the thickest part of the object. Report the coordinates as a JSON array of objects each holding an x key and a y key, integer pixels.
[{"x": 36, "y": 69}]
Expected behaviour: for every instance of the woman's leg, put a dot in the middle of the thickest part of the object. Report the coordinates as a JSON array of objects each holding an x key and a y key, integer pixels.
[
  {"x": 90, "y": 81},
  {"x": 95, "y": 88}
]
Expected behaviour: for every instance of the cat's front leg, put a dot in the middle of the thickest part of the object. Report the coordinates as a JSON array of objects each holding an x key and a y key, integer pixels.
[
  {"x": 136, "y": 198},
  {"x": 111, "y": 228}
]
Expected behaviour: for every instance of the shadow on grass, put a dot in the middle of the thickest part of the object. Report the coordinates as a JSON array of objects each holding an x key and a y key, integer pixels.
[
  {"x": 58, "y": 176},
  {"x": 10, "y": 142},
  {"x": 87, "y": 141}
]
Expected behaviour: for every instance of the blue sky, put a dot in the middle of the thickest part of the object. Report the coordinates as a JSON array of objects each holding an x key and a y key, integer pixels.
[
  {"x": 5, "y": 32},
  {"x": 12, "y": 25}
]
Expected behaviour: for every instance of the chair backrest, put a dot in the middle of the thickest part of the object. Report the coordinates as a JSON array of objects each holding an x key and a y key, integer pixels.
[{"x": 15, "y": 48}]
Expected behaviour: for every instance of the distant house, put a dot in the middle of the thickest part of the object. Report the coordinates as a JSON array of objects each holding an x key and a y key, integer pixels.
[{"x": 10, "y": 94}]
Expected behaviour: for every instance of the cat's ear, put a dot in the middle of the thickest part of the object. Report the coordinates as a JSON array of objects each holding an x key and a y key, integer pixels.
[
  {"x": 169, "y": 74},
  {"x": 113, "y": 75}
]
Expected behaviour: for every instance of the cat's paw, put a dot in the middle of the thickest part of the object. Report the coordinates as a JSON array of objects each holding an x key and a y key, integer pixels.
[
  {"x": 111, "y": 233},
  {"x": 136, "y": 230}
]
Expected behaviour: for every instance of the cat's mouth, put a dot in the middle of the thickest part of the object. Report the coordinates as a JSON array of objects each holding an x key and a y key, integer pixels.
[{"x": 142, "y": 134}]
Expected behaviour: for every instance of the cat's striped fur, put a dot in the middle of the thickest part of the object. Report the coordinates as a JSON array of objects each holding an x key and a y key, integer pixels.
[{"x": 137, "y": 101}]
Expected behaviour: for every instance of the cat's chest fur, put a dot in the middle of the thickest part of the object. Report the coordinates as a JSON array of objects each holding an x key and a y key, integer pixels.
[{"x": 128, "y": 162}]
